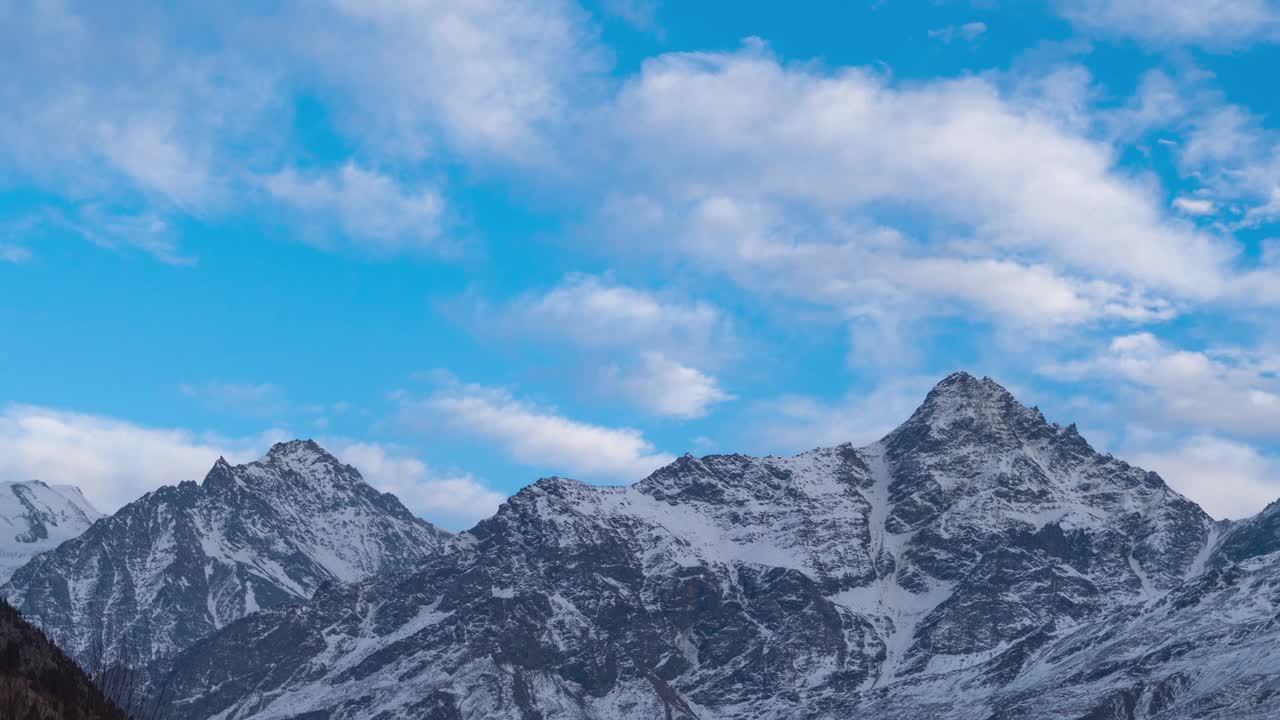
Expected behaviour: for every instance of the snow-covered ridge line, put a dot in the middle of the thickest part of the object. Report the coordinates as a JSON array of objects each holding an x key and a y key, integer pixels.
[{"x": 971, "y": 564}]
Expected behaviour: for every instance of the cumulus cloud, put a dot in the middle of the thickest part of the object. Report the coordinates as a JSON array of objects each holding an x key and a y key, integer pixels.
[
  {"x": 780, "y": 176},
  {"x": 1228, "y": 479},
  {"x": 663, "y": 339},
  {"x": 178, "y": 115},
  {"x": 1226, "y": 390},
  {"x": 373, "y": 209},
  {"x": 665, "y": 387},
  {"x": 1213, "y": 23},
  {"x": 536, "y": 436}
]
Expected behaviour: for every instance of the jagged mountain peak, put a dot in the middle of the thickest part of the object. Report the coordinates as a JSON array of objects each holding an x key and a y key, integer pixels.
[
  {"x": 963, "y": 411},
  {"x": 295, "y": 464},
  {"x": 301, "y": 451},
  {"x": 962, "y": 395},
  {"x": 184, "y": 560}
]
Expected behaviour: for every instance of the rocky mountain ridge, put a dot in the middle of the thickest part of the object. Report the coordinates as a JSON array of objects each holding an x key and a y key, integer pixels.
[
  {"x": 976, "y": 563},
  {"x": 185, "y": 560}
]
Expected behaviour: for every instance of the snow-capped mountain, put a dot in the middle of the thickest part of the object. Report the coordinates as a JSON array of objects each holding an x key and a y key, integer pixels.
[
  {"x": 976, "y": 563},
  {"x": 35, "y": 517},
  {"x": 185, "y": 560}
]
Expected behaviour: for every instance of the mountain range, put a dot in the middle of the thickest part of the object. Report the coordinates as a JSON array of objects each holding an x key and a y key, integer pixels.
[
  {"x": 977, "y": 563},
  {"x": 186, "y": 560}
]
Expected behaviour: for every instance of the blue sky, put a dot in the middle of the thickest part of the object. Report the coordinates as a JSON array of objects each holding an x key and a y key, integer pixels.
[{"x": 469, "y": 244}]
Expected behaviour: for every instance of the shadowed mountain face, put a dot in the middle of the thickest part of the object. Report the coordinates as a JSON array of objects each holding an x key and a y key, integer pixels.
[
  {"x": 976, "y": 563},
  {"x": 39, "y": 682},
  {"x": 185, "y": 560}
]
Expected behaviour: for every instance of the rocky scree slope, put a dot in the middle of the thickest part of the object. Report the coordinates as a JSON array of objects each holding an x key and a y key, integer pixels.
[
  {"x": 35, "y": 517},
  {"x": 185, "y": 560},
  {"x": 975, "y": 563}
]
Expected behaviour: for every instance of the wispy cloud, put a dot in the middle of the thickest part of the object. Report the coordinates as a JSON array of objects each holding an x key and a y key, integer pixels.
[
  {"x": 1211, "y": 23},
  {"x": 536, "y": 436},
  {"x": 967, "y": 32},
  {"x": 373, "y": 210}
]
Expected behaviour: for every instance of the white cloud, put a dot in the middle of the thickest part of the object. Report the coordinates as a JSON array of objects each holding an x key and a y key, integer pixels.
[
  {"x": 665, "y": 387},
  {"x": 174, "y": 115},
  {"x": 597, "y": 313},
  {"x": 968, "y": 32},
  {"x": 95, "y": 108},
  {"x": 488, "y": 77},
  {"x": 112, "y": 461},
  {"x": 871, "y": 272},
  {"x": 661, "y": 336},
  {"x": 535, "y": 436},
  {"x": 1194, "y": 206},
  {"x": 148, "y": 232},
  {"x": 1218, "y": 391},
  {"x": 1226, "y": 478},
  {"x": 779, "y": 176},
  {"x": 454, "y": 501},
  {"x": 1213, "y": 23},
  {"x": 372, "y": 209}
]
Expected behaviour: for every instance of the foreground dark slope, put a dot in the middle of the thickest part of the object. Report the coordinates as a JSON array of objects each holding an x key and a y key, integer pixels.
[
  {"x": 185, "y": 560},
  {"x": 39, "y": 682},
  {"x": 976, "y": 563}
]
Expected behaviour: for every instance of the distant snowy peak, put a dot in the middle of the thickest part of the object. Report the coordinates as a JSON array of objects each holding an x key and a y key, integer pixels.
[
  {"x": 185, "y": 560},
  {"x": 35, "y": 517}
]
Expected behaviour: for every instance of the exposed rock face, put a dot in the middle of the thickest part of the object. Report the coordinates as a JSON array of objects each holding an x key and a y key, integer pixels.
[
  {"x": 185, "y": 560},
  {"x": 977, "y": 563},
  {"x": 39, "y": 682},
  {"x": 35, "y": 517}
]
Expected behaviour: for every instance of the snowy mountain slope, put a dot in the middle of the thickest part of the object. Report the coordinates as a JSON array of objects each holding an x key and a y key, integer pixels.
[
  {"x": 949, "y": 570},
  {"x": 185, "y": 560},
  {"x": 35, "y": 517}
]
